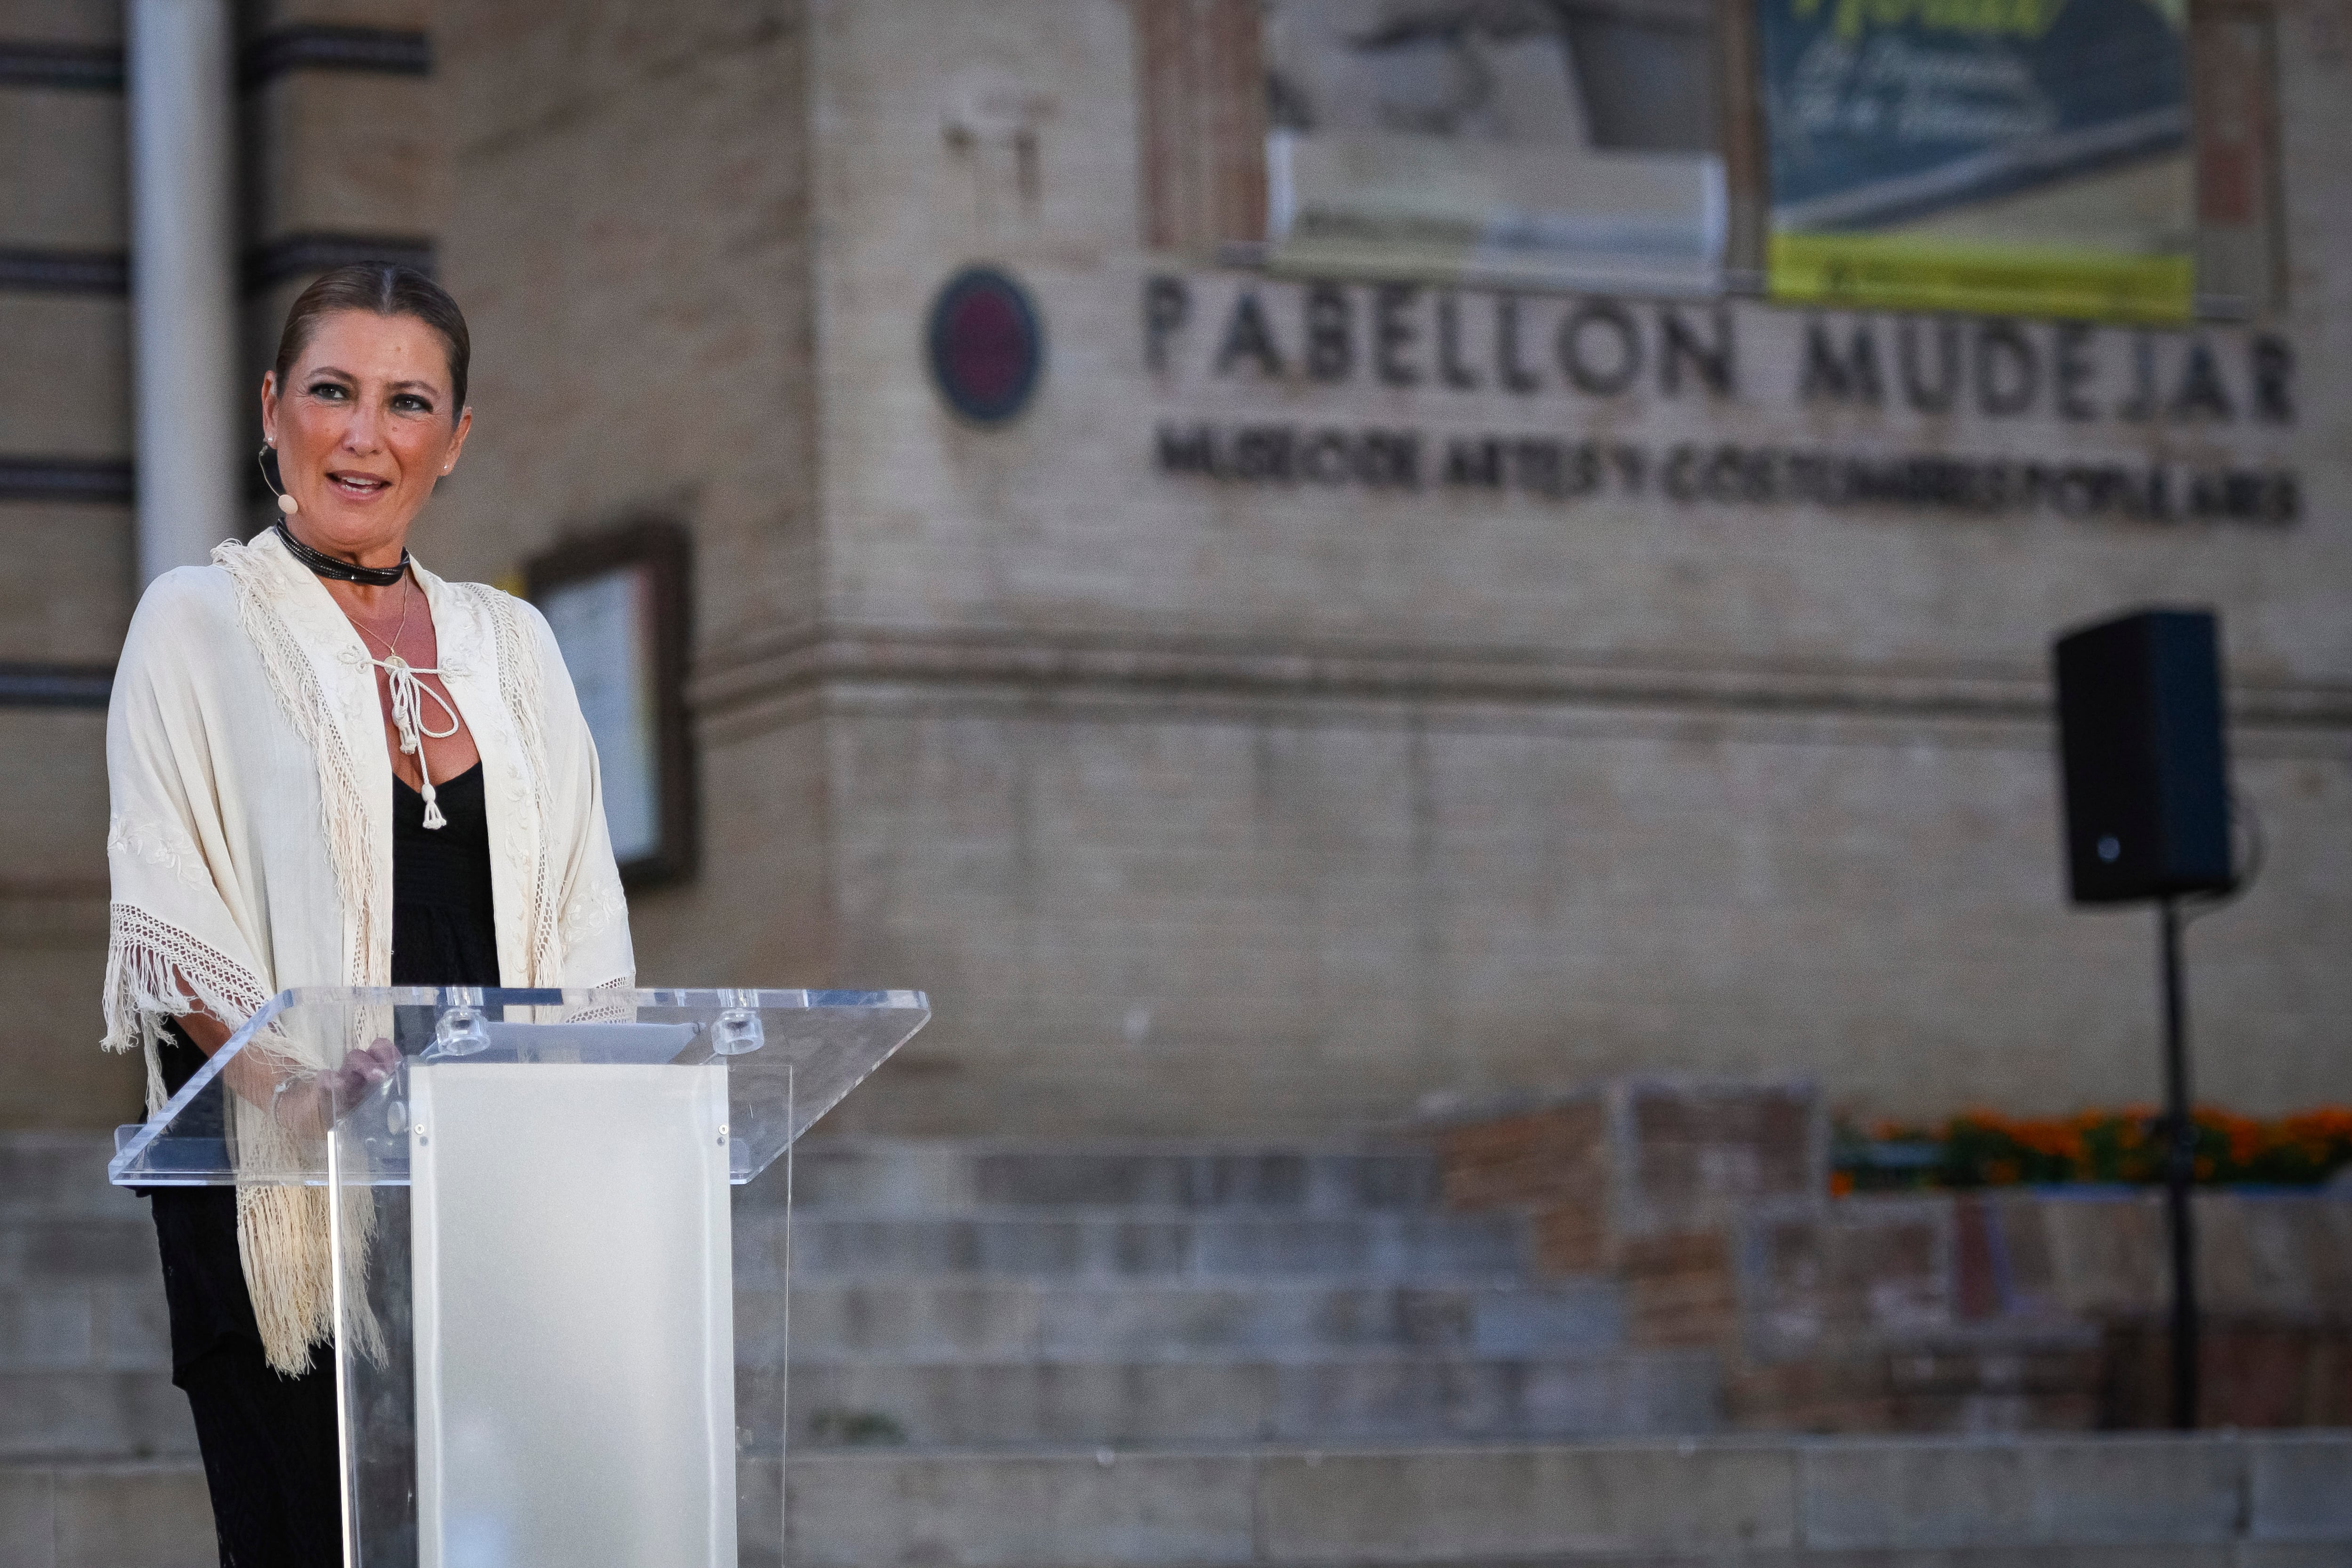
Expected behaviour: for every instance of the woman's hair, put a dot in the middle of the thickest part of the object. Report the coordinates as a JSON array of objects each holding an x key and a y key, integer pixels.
[{"x": 383, "y": 289}]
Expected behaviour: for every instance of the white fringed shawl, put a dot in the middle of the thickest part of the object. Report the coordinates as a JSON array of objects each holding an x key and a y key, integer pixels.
[{"x": 250, "y": 841}]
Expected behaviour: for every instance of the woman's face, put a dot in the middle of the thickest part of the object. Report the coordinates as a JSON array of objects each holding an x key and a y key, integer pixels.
[{"x": 364, "y": 426}]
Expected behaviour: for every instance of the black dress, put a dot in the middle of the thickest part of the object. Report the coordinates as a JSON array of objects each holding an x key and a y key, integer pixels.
[{"x": 269, "y": 1441}]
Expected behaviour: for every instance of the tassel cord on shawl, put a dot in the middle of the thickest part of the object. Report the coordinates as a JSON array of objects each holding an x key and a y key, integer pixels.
[
  {"x": 408, "y": 722},
  {"x": 407, "y": 705},
  {"x": 408, "y": 692}
]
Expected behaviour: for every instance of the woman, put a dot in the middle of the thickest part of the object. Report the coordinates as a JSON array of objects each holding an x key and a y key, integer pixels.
[{"x": 330, "y": 767}]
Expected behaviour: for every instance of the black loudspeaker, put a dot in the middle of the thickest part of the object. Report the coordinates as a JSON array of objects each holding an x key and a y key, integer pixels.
[{"x": 2146, "y": 776}]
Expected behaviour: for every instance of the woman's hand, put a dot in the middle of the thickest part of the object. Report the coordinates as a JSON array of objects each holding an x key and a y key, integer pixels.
[
  {"x": 309, "y": 1102},
  {"x": 362, "y": 1070}
]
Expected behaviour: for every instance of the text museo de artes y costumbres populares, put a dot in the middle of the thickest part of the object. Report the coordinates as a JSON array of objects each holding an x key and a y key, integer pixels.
[{"x": 1401, "y": 336}]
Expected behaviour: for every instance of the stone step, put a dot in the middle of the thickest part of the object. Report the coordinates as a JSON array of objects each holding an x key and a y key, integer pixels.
[
  {"x": 47, "y": 1250},
  {"x": 65, "y": 1173},
  {"x": 1387, "y": 1398},
  {"x": 1028, "y": 1402},
  {"x": 908, "y": 1176},
  {"x": 59, "y": 1174},
  {"x": 2193, "y": 1501},
  {"x": 153, "y": 1514},
  {"x": 125, "y": 1328},
  {"x": 1010, "y": 1321},
  {"x": 2200, "y": 1501},
  {"x": 108, "y": 1415},
  {"x": 1228, "y": 1246},
  {"x": 73, "y": 1328}
]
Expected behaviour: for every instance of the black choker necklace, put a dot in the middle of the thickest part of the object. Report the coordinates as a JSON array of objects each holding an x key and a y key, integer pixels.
[{"x": 342, "y": 570}]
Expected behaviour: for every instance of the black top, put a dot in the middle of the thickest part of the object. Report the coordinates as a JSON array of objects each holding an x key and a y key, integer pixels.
[{"x": 442, "y": 934}]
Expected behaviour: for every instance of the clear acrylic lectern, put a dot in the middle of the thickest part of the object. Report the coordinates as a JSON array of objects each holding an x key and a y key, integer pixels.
[{"x": 540, "y": 1358}]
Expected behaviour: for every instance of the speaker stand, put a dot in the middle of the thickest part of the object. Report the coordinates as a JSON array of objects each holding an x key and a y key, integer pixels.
[{"x": 2179, "y": 1172}]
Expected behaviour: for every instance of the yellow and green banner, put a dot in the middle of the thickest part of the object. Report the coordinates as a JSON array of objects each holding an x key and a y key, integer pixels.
[{"x": 2007, "y": 157}]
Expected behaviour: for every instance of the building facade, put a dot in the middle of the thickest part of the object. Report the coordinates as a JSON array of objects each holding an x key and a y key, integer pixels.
[{"x": 1327, "y": 697}]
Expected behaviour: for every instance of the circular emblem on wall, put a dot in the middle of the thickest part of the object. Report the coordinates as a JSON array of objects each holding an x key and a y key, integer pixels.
[{"x": 987, "y": 345}]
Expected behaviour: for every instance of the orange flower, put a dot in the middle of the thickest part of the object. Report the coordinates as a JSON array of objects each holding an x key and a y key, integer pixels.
[{"x": 2129, "y": 1144}]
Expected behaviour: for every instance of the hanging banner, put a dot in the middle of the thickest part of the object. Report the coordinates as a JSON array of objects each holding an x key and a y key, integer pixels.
[
  {"x": 2000, "y": 157},
  {"x": 1510, "y": 141}
]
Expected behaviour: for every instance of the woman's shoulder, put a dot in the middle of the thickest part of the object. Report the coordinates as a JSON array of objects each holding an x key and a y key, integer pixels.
[
  {"x": 186, "y": 596},
  {"x": 183, "y": 630},
  {"x": 215, "y": 590}
]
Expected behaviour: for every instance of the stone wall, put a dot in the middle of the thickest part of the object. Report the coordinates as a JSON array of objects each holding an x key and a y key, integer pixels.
[
  {"x": 1203, "y": 802},
  {"x": 1200, "y": 801}
]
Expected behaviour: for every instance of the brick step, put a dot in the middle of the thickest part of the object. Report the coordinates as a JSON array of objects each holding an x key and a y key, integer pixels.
[
  {"x": 908, "y": 1176},
  {"x": 1010, "y": 1321},
  {"x": 1460, "y": 1249},
  {"x": 1391, "y": 1398}
]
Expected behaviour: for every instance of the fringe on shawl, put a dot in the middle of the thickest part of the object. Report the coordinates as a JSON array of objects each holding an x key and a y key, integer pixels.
[
  {"x": 285, "y": 1239},
  {"x": 280, "y": 1233},
  {"x": 154, "y": 971},
  {"x": 284, "y": 1234},
  {"x": 519, "y": 684},
  {"x": 275, "y": 1225}
]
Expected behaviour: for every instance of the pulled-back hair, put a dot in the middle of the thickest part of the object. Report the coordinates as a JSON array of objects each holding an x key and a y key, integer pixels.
[{"x": 383, "y": 288}]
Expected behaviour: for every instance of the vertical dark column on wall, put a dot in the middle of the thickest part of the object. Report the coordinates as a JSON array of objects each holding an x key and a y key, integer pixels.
[
  {"x": 66, "y": 530},
  {"x": 343, "y": 160},
  {"x": 1163, "y": 97},
  {"x": 1233, "y": 106},
  {"x": 68, "y": 581},
  {"x": 2240, "y": 256},
  {"x": 1747, "y": 186},
  {"x": 65, "y": 266},
  {"x": 1200, "y": 113}
]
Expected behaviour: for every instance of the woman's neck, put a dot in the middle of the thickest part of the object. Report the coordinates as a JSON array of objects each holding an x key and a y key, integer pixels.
[{"x": 364, "y": 600}]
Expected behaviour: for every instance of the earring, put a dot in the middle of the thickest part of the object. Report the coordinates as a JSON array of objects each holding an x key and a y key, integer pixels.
[{"x": 286, "y": 503}]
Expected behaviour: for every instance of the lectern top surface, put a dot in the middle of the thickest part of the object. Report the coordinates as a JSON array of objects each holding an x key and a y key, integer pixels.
[{"x": 315, "y": 1058}]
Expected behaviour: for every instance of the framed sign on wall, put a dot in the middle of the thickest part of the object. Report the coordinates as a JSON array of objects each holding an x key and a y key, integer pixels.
[{"x": 617, "y": 602}]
